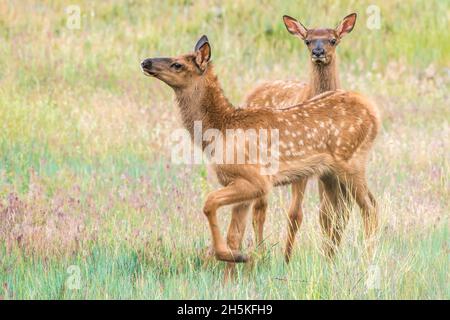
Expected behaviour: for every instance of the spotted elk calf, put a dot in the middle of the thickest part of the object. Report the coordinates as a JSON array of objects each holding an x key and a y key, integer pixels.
[
  {"x": 329, "y": 136},
  {"x": 323, "y": 76}
]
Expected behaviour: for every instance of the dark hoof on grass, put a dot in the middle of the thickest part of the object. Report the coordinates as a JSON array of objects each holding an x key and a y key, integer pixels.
[{"x": 232, "y": 256}]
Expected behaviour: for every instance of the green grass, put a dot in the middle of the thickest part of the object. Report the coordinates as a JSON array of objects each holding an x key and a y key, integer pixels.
[
  {"x": 407, "y": 270},
  {"x": 85, "y": 172}
]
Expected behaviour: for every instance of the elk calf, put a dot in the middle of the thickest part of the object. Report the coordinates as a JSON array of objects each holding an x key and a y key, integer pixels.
[
  {"x": 329, "y": 136},
  {"x": 323, "y": 76}
]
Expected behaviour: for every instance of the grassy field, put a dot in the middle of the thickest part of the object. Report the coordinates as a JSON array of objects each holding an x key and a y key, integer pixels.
[{"x": 91, "y": 206}]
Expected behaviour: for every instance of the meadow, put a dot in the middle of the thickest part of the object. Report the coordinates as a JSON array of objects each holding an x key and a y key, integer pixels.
[{"x": 91, "y": 206}]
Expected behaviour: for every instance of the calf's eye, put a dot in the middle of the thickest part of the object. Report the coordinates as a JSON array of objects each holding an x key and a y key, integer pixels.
[
  {"x": 333, "y": 42},
  {"x": 176, "y": 66}
]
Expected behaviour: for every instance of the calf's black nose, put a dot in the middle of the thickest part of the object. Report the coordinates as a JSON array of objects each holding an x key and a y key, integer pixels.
[
  {"x": 318, "y": 52},
  {"x": 146, "y": 64}
]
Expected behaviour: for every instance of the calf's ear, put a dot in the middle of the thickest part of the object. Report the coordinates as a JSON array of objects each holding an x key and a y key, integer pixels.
[{"x": 202, "y": 52}]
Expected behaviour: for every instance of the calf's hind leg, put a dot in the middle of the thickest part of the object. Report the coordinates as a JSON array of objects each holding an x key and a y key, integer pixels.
[
  {"x": 295, "y": 215},
  {"x": 335, "y": 205},
  {"x": 357, "y": 184},
  {"x": 259, "y": 217}
]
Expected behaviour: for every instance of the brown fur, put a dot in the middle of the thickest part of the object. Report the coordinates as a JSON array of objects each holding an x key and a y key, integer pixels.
[
  {"x": 323, "y": 76},
  {"x": 350, "y": 125}
]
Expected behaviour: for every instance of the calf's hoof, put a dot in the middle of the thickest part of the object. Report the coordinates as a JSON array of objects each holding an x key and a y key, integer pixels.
[{"x": 232, "y": 256}]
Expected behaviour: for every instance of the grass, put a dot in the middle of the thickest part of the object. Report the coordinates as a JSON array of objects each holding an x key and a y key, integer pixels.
[
  {"x": 85, "y": 172},
  {"x": 133, "y": 274}
]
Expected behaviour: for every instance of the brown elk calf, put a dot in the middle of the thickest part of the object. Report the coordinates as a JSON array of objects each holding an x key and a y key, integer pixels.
[
  {"x": 329, "y": 136},
  {"x": 323, "y": 76}
]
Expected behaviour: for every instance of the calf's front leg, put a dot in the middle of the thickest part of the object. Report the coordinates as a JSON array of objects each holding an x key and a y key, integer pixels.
[
  {"x": 236, "y": 231},
  {"x": 240, "y": 190}
]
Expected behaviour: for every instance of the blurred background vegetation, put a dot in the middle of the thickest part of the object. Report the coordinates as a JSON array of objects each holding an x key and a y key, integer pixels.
[{"x": 85, "y": 173}]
